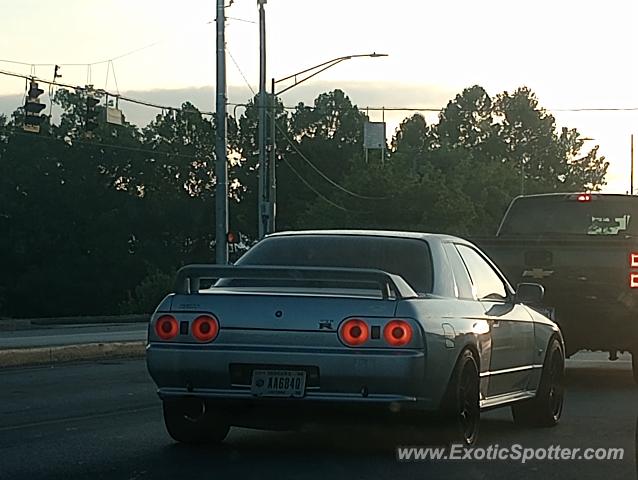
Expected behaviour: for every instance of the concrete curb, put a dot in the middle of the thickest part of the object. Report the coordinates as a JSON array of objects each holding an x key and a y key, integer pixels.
[
  {"x": 12, "y": 324},
  {"x": 20, "y": 357}
]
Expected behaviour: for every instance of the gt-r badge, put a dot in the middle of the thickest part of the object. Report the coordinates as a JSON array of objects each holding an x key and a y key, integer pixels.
[
  {"x": 538, "y": 273},
  {"x": 325, "y": 325}
]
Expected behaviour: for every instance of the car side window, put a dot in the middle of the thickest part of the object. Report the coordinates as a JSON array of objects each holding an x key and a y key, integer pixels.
[
  {"x": 461, "y": 277},
  {"x": 485, "y": 281}
]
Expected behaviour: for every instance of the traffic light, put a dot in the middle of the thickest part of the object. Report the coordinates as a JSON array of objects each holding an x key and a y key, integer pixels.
[
  {"x": 91, "y": 116},
  {"x": 32, "y": 108}
]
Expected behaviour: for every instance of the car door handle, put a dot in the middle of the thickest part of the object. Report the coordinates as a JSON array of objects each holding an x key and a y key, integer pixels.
[{"x": 496, "y": 323}]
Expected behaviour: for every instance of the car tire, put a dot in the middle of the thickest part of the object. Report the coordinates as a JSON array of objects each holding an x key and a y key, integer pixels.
[
  {"x": 460, "y": 409},
  {"x": 546, "y": 408},
  {"x": 188, "y": 421}
]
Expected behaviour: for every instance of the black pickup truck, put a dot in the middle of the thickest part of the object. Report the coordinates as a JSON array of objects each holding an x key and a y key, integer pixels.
[{"x": 583, "y": 248}]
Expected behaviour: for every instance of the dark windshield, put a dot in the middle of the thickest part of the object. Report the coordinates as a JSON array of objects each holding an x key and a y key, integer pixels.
[
  {"x": 565, "y": 215},
  {"x": 407, "y": 257}
]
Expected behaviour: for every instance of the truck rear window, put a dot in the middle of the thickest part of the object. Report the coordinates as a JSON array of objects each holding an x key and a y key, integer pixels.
[
  {"x": 410, "y": 258},
  {"x": 565, "y": 215}
]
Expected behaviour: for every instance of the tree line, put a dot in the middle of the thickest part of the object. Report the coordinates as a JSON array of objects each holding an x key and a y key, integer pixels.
[{"x": 99, "y": 225}]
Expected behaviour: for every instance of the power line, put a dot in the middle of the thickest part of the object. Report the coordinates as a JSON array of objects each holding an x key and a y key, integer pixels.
[
  {"x": 285, "y": 107},
  {"x": 439, "y": 109},
  {"x": 295, "y": 147},
  {"x": 316, "y": 192},
  {"x": 303, "y": 180},
  {"x": 240, "y": 72},
  {"x": 110, "y": 94},
  {"x": 117, "y": 57},
  {"x": 15, "y": 62},
  {"x": 131, "y": 52},
  {"x": 323, "y": 175},
  {"x": 90, "y": 64},
  {"x": 99, "y": 144},
  {"x": 27, "y": 64},
  {"x": 611, "y": 109},
  {"x": 240, "y": 20}
]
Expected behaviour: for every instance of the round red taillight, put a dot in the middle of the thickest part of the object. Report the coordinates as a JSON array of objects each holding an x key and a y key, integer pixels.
[
  {"x": 397, "y": 333},
  {"x": 354, "y": 332},
  {"x": 166, "y": 327},
  {"x": 205, "y": 328}
]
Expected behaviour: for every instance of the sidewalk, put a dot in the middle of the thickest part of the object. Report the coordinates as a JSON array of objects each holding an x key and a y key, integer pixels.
[
  {"x": 35, "y": 344},
  {"x": 57, "y": 335}
]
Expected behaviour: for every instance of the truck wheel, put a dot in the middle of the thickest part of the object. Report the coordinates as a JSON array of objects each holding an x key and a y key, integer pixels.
[
  {"x": 460, "y": 409},
  {"x": 187, "y": 421},
  {"x": 546, "y": 408}
]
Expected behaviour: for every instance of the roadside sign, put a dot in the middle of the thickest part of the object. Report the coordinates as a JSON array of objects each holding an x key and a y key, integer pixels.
[
  {"x": 374, "y": 135},
  {"x": 113, "y": 116}
]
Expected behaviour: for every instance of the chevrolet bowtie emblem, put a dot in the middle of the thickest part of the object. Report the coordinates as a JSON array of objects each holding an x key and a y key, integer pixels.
[{"x": 537, "y": 273}]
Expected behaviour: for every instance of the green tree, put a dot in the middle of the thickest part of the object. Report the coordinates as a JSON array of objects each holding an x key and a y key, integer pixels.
[
  {"x": 547, "y": 161},
  {"x": 325, "y": 145}
]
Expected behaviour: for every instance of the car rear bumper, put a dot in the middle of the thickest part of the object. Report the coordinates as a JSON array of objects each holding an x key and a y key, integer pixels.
[
  {"x": 337, "y": 376},
  {"x": 286, "y": 414}
]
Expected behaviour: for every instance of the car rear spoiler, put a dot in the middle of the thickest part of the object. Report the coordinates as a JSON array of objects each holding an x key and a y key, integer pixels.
[{"x": 392, "y": 286}]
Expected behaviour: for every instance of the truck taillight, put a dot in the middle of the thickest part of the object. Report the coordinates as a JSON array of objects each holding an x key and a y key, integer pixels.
[
  {"x": 633, "y": 280},
  {"x": 633, "y": 260},
  {"x": 584, "y": 197}
]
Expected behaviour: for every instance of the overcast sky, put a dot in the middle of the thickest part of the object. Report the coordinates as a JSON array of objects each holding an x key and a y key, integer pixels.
[{"x": 573, "y": 54}]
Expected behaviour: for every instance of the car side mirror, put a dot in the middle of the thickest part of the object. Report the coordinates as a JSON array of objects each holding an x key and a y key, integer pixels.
[{"x": 530, "y": 293}]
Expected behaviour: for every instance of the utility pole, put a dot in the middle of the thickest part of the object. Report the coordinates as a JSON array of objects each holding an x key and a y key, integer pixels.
[
  {"x": 221, "y": 166},
  {"x": 263, "y": 213},
  {"x": 272, "y": 191},
  {"x": 631, "y": 182}
]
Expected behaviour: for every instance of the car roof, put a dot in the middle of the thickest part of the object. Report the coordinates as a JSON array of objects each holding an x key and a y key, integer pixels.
[{"x": 372, "y": 233}]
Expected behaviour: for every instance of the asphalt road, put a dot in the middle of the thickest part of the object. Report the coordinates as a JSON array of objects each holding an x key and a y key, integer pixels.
[
  {"x": 56, "y": 335},
  {"x": 103, "y": 420}
]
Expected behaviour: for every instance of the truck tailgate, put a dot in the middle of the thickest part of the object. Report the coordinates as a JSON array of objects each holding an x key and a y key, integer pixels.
[{"x": 570, "y": 269}]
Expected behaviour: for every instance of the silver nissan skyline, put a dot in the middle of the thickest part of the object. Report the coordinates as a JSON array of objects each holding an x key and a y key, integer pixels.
[{"x": 319, "y": 326}]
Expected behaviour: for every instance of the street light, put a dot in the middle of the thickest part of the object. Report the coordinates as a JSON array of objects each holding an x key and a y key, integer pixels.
[
  {"x": 268, "y": 184},
  {"x": 320, "y": 68}
]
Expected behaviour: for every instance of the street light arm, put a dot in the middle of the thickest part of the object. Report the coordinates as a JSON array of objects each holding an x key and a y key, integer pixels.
[
  {"x": 326, "y": 66},
  {"x": 311, "y": 68},
  {"x": 322, "y": 67}
]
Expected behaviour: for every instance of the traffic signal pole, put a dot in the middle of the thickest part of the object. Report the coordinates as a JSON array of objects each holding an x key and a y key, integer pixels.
[{"x": 221, "y": 162}]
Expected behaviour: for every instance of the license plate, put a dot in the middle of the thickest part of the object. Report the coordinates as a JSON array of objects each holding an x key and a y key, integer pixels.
[{"x": 278, "y": 383}]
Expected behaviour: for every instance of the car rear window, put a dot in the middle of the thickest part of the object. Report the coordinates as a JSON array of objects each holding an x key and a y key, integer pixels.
[
  {"x": 410, "y": 258},
  {"x": 566, "y": 215}
]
